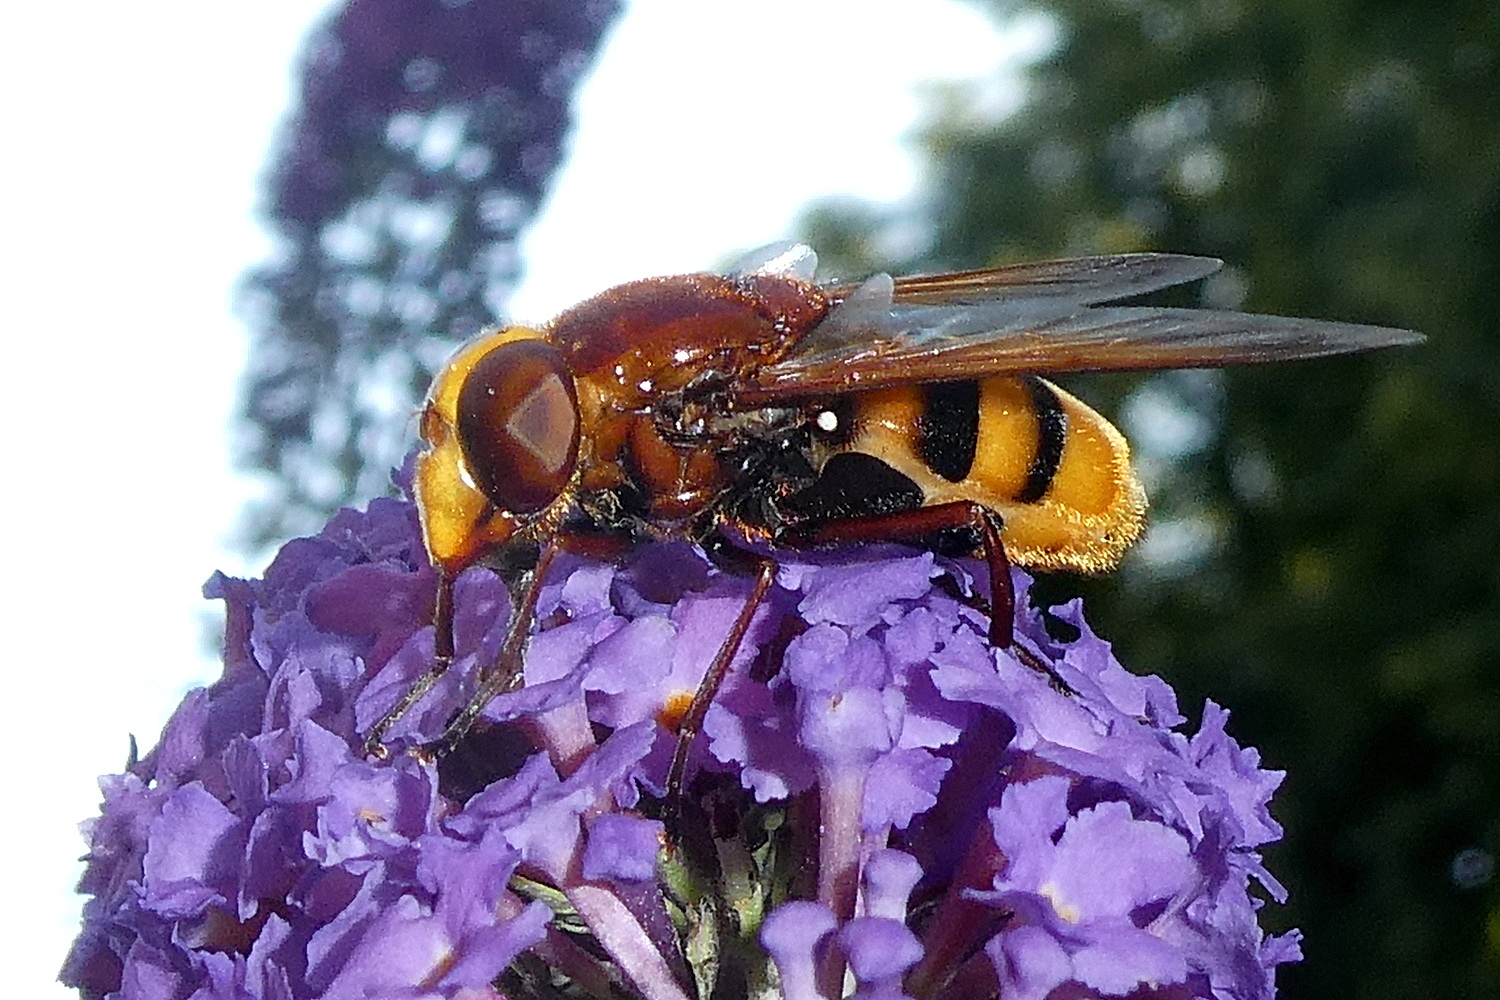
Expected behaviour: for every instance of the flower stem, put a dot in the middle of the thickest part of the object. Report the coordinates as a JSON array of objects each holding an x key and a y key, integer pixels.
[
  {"x": 629, "y": 944},
  {"x": 838, "y": 860}
]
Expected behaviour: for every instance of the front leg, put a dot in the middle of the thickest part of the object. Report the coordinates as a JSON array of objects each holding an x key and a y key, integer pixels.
[
  {"x": 764, "y": 573},
  {"x": 442, "y": 660},
  {"x": 506, "y": 673}
]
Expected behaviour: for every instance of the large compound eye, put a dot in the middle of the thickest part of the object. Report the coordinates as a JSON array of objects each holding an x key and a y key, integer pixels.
[{"x": 518, "y": 424}]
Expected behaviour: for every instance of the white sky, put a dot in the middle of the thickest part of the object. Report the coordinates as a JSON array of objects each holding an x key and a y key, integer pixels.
[{"x": 130, "y": 189}]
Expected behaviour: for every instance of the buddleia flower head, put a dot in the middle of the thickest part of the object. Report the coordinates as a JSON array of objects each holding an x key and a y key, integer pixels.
[{"x": 880, "y": 803}]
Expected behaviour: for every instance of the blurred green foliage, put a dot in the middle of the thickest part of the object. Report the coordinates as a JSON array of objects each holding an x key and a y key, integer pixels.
[{"x": 1326, "y": 557}]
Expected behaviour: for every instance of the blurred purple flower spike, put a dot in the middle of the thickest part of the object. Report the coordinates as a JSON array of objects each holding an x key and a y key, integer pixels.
[{"x": 878, "y": 799}]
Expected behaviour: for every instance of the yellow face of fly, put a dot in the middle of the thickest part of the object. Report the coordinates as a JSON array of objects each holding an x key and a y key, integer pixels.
[{"x": 459, "y": 523}]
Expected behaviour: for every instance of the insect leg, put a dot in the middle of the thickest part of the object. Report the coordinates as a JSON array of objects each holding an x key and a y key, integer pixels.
[
  {"x": 918, "y": 525},
  {"x": 505, "y": 674},
  {"x": 713, "y": 678},
  {"x": 442, "y": 659}
]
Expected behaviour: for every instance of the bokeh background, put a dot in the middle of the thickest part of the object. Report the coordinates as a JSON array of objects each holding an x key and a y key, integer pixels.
[{"x": 1325, "y": 548}]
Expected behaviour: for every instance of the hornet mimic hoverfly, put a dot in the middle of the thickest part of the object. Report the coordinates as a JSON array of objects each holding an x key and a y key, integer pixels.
[{"x": 761, "y": 405}]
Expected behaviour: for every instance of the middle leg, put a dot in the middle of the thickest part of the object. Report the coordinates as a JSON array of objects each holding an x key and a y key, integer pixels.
[{"x": 920, "y": 524}]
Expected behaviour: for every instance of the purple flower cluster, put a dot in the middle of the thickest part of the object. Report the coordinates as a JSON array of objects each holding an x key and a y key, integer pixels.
[{"x": 878, "y": 798}]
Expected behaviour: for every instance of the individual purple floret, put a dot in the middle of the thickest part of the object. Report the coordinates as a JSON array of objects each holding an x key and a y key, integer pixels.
[{"x": 879, "y": 805}]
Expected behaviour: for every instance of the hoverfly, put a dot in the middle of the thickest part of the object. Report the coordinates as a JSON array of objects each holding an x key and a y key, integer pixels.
[{"x": 763, "y": 405}]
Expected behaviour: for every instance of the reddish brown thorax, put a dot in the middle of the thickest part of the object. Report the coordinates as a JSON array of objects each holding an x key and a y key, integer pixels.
[
  {"x": 657, "y": 335},
  {"x": 635, "y": 345}
]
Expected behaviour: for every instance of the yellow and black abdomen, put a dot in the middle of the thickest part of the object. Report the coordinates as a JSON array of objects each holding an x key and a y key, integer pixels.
[{"x": 1056, "y": 472}]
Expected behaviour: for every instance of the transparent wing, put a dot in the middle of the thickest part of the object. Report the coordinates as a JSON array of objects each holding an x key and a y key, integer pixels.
[
  {"x": 1080, "y": 280},
  {"x": 784, "y": 257},
  {"x": 1037, "y": 318}
]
